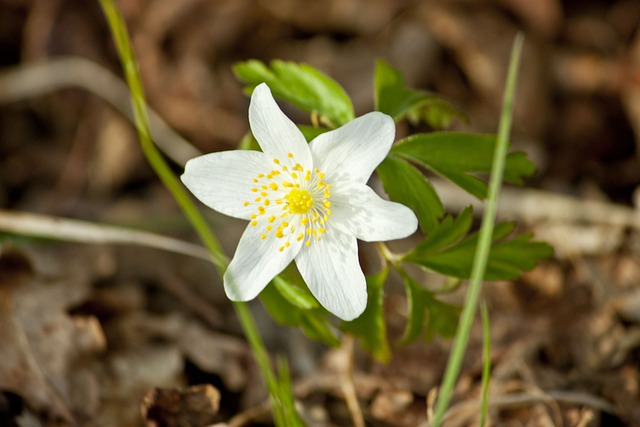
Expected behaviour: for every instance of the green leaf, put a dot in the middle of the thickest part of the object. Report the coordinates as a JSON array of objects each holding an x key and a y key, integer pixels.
[
  {"x": 405, "y": 184},
  {"x": 294, "y": 294},
  {"x": 370, "y": 326},
  {"x": 312, "y": 321},
  {"x": 301, "y": 85},
  {"x": 450, "y": 231},
  {"x": 311, "y": 132},
  {"x": 395, "y": 99},
  {"x": 424, "y": 308},
  {"x": 446, "y": 252},
  {"x": 460, "y": 156}
]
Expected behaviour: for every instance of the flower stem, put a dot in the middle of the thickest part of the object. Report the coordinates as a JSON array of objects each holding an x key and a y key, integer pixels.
[{"x": 279, "y": 398}]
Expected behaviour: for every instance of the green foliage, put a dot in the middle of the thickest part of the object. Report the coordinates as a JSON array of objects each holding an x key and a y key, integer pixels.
[
  {"x": 395, "y": 99},
  {"x": 449, "y": 244},
  {"x": 292, "y": 305},
  {"x": 407, "y": 185},
  {"x": 427, "y": 315},
  {"x": 370, "y": 326},
  {"x": 450, "y": 251},
  {"x": 301, "y": 85},
  {"x": 459, "y": 157},
  {"x": 284, "y": 410}
]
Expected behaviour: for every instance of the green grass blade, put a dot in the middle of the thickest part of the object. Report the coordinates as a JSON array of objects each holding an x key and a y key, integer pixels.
[{"x": 484, "y": 242}]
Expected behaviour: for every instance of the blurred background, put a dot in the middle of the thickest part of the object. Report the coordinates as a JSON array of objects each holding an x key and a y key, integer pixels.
[{"x": 64, "y": 150}]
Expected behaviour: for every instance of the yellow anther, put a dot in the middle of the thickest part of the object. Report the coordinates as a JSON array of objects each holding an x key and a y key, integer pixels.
[
  {"x": 255, "y": 190},
  {"x": 261, "y": 175},
  {"x": 255, "y": 179},
  {"x": 267, "y": 202},
  {"x": 254, "y": 223},
  {"x": 307, "y": 243},
  {"x": 273, "y": 186},
  {"x": 264, "y": 236},
  {"x": 290, "y": 155},
  {"x": 264, "y": 194},
  {"x": 272, "y": 218},
  {"x": 253, "y": 216},
  {"x": 300, "y": 237},
  {"x": 276, "y": 161},
  {"x": 246, "y": 203},
  {"x": 269, "y": 228}
]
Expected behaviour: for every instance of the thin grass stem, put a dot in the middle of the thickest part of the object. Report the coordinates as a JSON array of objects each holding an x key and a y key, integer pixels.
[{"x": 484, "y": 242}]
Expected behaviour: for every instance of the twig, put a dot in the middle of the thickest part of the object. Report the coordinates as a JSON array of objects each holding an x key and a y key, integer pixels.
[
  {"x": 534, "y": 205},
  {"x": 348, "y": 386},
  {"x": 470, "y": 409},
  {"x": 52, "y": 227}
]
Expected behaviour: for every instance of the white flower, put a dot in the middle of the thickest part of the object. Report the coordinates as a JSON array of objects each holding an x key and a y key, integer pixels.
[{"x": 305, "y": 202}]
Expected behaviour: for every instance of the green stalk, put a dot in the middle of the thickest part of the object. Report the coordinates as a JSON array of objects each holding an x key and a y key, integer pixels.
[
  {"x": 157, "y": 162},
  {"x": 282, "y": 404},
  {"x": 485, "y": 238}
]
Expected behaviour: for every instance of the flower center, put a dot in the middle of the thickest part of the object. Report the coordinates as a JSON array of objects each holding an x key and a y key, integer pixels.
[
  {"x": 292, "y": 203},
  {"x": 299, "y": 201}
]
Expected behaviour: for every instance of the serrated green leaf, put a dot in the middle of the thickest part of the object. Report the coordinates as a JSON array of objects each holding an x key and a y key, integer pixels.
[
  {"x": 448, "y": 232},
  {"x": 370, "y": 327},
  {"x": 313, "y": 322},
  {"x": 425, "y": 309},
  {"x": 459, "y": 157},
  {"x": 301, "y": 85},
  {"x": 407, "y": 185},
  {"x": 395, "y": 99},
  {"x": 453, "y": 257}
]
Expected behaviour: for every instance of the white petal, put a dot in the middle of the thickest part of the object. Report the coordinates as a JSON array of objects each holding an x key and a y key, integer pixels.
[
  {"x": 256, "y": 262},
  {"x": 331, "y": 269},
  {"x": 359, "y": 211},
  {"x": 223, "y": 181},
  {"x": 353, "y": 151},
  {"x": 276, "y": 133}
]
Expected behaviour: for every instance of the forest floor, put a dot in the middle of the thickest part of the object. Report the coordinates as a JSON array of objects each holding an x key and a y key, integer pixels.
[{"x": 113, "y": 334}]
